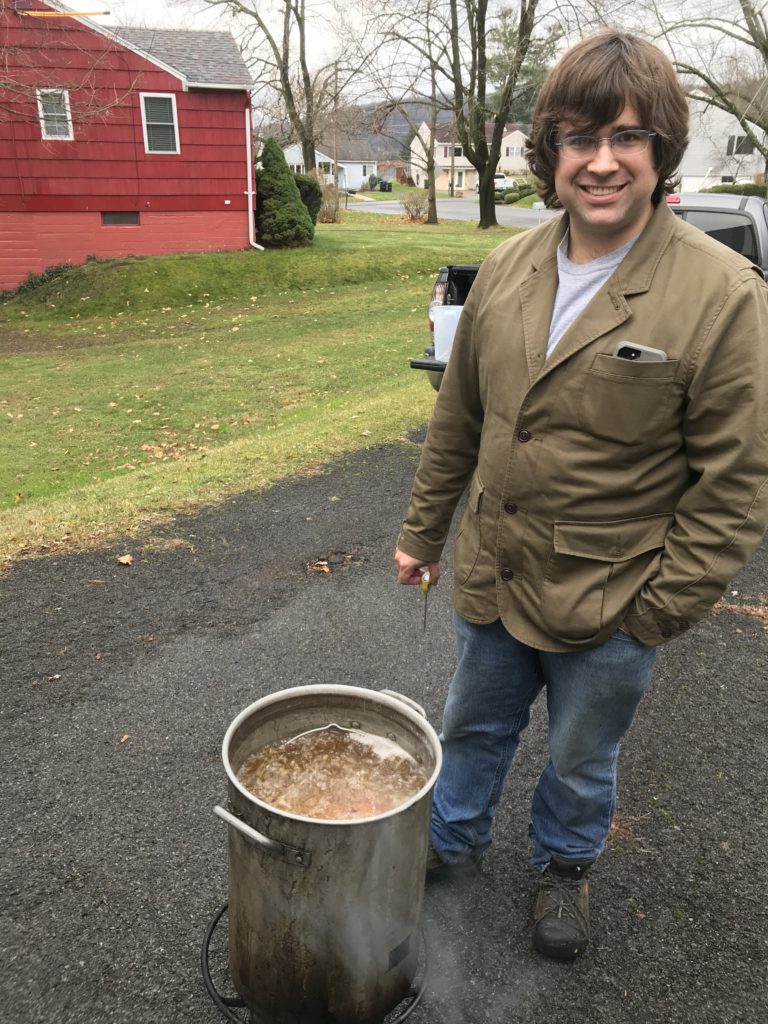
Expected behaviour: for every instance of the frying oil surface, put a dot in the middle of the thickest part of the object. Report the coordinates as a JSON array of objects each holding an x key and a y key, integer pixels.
[{"x": 333, "y": 774}]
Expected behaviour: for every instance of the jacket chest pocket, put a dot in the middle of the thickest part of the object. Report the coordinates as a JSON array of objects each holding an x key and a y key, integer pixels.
[{"x": 630, "y": 402}]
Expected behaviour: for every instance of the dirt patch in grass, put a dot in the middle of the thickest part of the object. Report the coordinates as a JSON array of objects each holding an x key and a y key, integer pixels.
[{"x": 19, "y": 342}]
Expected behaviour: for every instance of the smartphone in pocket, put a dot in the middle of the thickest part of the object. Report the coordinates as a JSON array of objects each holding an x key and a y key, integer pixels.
[{"x": 631, "y": 350}]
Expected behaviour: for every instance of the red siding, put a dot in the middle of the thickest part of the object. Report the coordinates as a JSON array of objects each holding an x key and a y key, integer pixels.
[
  {"x": 30, "y": 242},
  {"x": 105, "y": 166}
]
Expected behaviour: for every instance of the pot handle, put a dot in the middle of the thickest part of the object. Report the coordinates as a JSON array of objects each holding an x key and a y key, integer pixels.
[
  {"x": 290, "y": 854},
  {"x": 406, "y": 700}
]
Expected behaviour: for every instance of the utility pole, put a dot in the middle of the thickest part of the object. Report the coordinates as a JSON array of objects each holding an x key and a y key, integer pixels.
[
  {"x": 453, "y": 155},
  {"x": 336, "y": 125}
]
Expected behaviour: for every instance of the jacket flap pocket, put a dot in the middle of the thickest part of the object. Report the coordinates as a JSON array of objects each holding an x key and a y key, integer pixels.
[{"x": 615, "y": 541}]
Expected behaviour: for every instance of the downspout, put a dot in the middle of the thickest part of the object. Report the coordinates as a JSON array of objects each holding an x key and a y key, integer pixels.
[{"x": 249, "y": 179}]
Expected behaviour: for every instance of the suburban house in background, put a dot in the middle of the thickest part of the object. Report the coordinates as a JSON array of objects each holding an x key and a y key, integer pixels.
[
  {"x": 450, "y": 159},
  {"x": 118, "y": 142},
  {"x": 719, "y": 152},
  {"x": 355, "y": 159}
]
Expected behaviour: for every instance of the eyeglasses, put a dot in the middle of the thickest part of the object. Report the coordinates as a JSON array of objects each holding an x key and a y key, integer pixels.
[{"x": 625, "y": 143}]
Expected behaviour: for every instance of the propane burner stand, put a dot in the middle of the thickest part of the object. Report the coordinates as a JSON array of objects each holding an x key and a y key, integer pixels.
[{"x": 228, "y": 1005}]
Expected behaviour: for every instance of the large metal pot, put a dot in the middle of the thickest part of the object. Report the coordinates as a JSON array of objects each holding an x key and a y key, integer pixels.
[{"x": 323, "y": 915}]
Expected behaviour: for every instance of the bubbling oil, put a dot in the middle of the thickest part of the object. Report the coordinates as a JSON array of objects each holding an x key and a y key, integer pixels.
[{"x": 333, "y": 773}]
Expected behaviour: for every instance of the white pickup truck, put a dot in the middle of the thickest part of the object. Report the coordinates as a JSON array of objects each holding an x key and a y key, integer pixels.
[
  {"x": 501, "y": 182},
  {"x": 740, "y": 222}
]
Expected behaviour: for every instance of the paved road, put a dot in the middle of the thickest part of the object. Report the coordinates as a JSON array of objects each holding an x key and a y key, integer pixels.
[
  {"x": 118, "y": 684},
  {"x": 465, "y": 209}
]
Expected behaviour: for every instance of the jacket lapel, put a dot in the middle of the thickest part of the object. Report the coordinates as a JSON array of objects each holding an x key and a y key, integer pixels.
[
  {"x": 609, "y": 308},
  {"x": 537, "y": 297}
]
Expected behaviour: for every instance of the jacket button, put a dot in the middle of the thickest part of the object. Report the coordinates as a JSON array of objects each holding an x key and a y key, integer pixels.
[
  {"x": 507, "y": 574},
  {"x": 524, "y": 435},
  {"x": 510, "y": 508}
]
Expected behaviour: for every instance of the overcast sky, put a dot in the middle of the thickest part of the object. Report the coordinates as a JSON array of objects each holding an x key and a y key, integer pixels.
[{"x": 152, "y": 13}]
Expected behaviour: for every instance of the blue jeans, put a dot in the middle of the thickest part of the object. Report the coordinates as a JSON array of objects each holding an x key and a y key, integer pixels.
[{"x": 592, "y": 696}]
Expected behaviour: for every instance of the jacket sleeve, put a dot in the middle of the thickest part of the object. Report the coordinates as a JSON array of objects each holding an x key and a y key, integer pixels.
[
  {"x": 721, "y": 517},
  {"x": 449, "y": 452}
]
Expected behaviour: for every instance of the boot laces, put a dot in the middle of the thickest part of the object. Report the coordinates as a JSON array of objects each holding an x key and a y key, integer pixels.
[{"x": 562, "y": 896}]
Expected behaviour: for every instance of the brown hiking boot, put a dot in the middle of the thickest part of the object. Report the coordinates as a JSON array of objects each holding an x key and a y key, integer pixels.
[
  {"x": 561, "y": 928},
  {"x": 440, "y": 869}
]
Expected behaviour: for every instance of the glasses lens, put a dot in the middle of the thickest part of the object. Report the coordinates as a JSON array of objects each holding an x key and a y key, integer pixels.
[
  {"x": 578, "y": 145},
  {"x": 633, "y": 141}
]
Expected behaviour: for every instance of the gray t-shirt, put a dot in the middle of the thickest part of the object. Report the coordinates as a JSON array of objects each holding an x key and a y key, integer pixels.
[{"x": 577, "y": 283}]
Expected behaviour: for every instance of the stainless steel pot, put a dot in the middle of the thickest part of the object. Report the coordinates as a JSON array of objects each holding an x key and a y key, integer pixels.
[{"x": 323, "y": 915}]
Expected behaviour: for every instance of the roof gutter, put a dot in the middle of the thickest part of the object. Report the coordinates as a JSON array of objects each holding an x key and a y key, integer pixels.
[{"x": 249, "y": 181}]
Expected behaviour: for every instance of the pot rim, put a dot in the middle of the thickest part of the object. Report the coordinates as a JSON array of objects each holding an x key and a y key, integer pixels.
[{"x": 336, "y": 688}]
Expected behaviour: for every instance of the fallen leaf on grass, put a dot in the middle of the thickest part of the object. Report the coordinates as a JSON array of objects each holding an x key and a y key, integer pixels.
[{"x": 125, "y": 559}]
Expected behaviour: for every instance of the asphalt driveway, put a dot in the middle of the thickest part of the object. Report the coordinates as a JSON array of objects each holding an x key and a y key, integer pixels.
[{"x": 118, "y": 683}]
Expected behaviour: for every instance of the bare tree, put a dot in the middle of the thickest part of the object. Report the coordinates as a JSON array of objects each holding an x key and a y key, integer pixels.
[
  {"x": 27, "y": 69},
  {"x": 294, "y": 81},
  {"x": 406, "y": 73},
  {"x": 719, "y": 47},
  {"x": 471, "y": 22}
]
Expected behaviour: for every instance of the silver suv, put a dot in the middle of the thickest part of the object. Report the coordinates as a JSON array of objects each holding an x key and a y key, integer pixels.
[{"x": 740, "y": 222}]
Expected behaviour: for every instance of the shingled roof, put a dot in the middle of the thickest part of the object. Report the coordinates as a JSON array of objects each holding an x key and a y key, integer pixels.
[{"x": 203, "y": 58}]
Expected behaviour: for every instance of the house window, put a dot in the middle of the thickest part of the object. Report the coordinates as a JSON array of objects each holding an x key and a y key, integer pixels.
[
  {"x": 739, "y": 145},
  {"x": 120, "y": 217},
  {"x": 158, "y": 117},
  {"x": 55, "y": 115},
  {"x": 457, "y": 151},
  {"x": 365, "y": 170}
]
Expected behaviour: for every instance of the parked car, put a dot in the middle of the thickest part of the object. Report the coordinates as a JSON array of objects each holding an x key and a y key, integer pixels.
[
  {"x": 740, "y": 222},
  {"x": 500, "y": 182}
]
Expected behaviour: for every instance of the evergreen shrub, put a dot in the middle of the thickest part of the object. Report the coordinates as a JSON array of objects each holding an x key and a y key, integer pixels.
[
  {"x": 282, "y": 219},
  {"x": 311, "y": 193},
  {"x": 511, "y": 196}
]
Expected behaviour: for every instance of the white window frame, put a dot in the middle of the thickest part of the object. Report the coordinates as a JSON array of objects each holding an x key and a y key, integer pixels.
[
  {"x": 41, "y": 114},
  {"x": 165, "y": 96}
]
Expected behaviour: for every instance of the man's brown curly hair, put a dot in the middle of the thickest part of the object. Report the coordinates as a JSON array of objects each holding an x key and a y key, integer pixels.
[{"x": 590, "y": 86}]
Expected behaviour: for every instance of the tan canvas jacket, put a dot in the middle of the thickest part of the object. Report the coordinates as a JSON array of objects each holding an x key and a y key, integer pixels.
[{"x": 600, "y": 489}]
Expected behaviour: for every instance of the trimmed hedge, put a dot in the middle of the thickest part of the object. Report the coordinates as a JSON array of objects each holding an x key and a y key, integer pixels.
[{"x": 745, "y": 189}]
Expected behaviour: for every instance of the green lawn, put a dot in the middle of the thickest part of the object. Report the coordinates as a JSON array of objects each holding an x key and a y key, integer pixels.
[{"x": 134, "y": 389}]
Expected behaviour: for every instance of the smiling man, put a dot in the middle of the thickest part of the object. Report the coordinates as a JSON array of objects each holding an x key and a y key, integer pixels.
[{"x": 605, "y": 404}]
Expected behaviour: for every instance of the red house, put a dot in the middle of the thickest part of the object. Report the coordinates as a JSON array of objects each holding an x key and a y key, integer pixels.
[{"x": 118, "y": 141}]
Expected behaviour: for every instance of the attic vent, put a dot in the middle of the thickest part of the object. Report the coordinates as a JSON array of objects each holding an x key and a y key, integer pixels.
[{"x": 159, "y": 116}]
